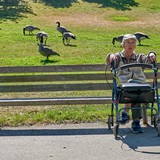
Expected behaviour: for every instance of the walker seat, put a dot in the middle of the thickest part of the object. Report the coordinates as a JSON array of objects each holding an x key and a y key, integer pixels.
[{"x": 135, "y": 93}]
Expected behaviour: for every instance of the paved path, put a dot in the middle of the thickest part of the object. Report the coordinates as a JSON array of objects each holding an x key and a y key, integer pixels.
[{"x": 78, "y": 142}]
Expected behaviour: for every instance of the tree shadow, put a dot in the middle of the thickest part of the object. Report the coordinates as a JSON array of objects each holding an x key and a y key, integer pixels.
[
  {"x": 59, "y": 3},
  {"x": 13, "y": 9},
  {"x": 117, "y": 4}
]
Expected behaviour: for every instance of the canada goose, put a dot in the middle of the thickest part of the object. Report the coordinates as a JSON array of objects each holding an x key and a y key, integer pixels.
[
  {"x": 118, "y": 39},
  {"x": 44, "y": 51},
  {"x": 61, "y": 29},
  {"x": 43, "y": 34},
  {"x": 140, "y": 36},
  {"x": 67, "y": 36},
  {"x": 29, "y": 28}
]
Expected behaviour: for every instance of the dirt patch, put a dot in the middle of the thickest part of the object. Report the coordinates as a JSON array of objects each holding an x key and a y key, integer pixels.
[{"x": 88, "y": 20}]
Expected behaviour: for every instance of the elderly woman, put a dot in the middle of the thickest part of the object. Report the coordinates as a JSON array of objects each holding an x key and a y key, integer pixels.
[{"x": 128, "y": 55}]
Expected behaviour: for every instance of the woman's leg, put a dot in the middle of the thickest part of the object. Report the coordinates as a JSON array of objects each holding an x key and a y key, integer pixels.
[
  {"x": 136, "y": 116},
  {"x": 126, "y": 107},
  {"x": 136, "y": 111}
]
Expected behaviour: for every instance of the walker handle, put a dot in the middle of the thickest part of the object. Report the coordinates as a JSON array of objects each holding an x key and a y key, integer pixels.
[{"x": 142, "y": 65}]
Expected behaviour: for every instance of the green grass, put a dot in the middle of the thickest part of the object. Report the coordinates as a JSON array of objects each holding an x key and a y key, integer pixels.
[
  {"x": 121, "y": 18},
  {"x": 94, "y": 22},
  {"x": 93, "y": 40},
  {"x": 56, "y": 115}
]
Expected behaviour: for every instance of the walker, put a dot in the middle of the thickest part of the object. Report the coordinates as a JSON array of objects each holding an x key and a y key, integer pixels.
[{"x": 134, "y": 93}]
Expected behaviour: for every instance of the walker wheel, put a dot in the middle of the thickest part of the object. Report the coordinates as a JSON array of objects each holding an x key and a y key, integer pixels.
[
  {"x": 153, "y": 119},
  {"x": 110, "y": 121},
  {"x": 154, "y": 122},
  {"x": 158, "y": 128},
  {"x": 116, "y": 130}
]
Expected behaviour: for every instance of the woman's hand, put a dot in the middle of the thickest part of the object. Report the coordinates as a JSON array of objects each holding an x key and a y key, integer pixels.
[
  {"x": 112, "y": 58},
  {"x": 152, "y": 56}
]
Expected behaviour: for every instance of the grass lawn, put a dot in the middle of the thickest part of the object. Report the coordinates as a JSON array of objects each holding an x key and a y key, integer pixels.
[{"x": 94, "y": 22}]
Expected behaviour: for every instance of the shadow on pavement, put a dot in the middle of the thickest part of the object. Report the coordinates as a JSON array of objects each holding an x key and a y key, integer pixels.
[
  {"x": 138, "y": 141},
  {"x": 54, "y": 132}
]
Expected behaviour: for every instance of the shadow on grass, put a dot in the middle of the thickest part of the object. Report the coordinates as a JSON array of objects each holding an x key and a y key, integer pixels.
[
  {"x": 143, "y": 45},
  {"x": 13, "y": 9},
  {"x": 71, "y": 45},
  {"x": 58, "y": 3},
  {"x": 48, "y": 61},
  {"x": 117, "y": 4}
]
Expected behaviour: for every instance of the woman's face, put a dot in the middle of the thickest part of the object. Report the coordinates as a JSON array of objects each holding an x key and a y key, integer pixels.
[{"x": 129, "y": 46}]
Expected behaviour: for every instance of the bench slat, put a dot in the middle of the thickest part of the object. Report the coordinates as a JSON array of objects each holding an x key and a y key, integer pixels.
[
  {"x": 55, "y": 87},
  {"x": 59, "y": 68},
  {"x": 48, "y": 78},
  {"x": 62, "y": 77},
  {"x": 55, "y": 101}
]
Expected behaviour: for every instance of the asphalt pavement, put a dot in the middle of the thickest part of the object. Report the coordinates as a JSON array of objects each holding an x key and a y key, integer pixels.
[{"x": 91, "y": 141}]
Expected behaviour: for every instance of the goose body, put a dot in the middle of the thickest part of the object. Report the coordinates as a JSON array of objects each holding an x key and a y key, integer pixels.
[
  {"x": 43, "y": 34},
  {"x": 30, "y": 29},
  {"x": 67, "y": 36},
  {"x": 61, "y": 29},
  {"x": 46, "y": 52},
  {"x": 141, "y": 36},
  {"x": 118, "y": 39}
]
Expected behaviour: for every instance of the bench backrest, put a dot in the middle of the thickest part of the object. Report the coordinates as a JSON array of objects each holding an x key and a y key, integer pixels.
[
  {"x": 57, "y": 81},
  {"x": 58, "y": 78}
]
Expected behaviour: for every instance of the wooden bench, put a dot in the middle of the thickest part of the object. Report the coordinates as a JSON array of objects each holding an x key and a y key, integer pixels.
[
  {"x": 55, "y": 85},
  {"x": 49, "y": 85}
]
